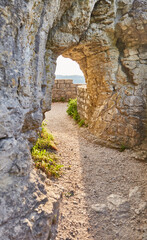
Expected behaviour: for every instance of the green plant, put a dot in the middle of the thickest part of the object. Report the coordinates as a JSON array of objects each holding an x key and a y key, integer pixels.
[
  {"x": 72, "y": 111},
  {"x": 54, "y": 100},
  {"x": 81, "y": 123},
  {"x": 123, "y": 147},
  {"x": 72, "y": 107},
  {"x": 62, "y": 99},
  {"x": 45, "y": 140},
  {"x": 44, "y": 159}
]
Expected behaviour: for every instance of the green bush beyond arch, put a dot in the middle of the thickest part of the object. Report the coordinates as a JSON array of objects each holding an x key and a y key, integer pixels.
[{"x": 72, "y": 111}]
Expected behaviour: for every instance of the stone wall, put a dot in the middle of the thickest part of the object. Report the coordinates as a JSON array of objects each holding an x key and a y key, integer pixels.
[
  {"x": 113, "y": 59},
  {"x": 64, "y": 89},
  {"x": 83, "y": 102}
]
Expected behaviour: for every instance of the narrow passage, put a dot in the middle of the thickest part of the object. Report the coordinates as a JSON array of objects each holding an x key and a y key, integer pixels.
[{"x": 104, "y": 189}]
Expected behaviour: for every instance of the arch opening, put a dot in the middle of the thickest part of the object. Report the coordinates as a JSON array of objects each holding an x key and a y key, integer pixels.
[
  {"x": 107, "y": 99},
  {"x": 68, "y": 77},
  {"x": 66, "y": 67}
]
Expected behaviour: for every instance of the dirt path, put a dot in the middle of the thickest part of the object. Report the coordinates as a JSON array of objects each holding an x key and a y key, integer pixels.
[{"x": 104, "y": 189}]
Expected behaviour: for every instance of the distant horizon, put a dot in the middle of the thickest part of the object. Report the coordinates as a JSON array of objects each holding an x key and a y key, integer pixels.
[
  {"x": 69, "y": 75},
  {"x": 76, "y": 78}
]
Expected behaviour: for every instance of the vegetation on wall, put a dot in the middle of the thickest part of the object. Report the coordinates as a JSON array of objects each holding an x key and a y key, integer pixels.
[
  {"x": 62, "y": 99},
  {"x": 72, "y": 111},
  {"x": 44, "y": 154}
]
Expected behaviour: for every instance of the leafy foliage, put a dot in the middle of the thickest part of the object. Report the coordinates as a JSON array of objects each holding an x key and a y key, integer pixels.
[
  {"x": 72, "y": 107},
  {"x": 81, "y": 123},
  {"x": 72, "y": 111}
]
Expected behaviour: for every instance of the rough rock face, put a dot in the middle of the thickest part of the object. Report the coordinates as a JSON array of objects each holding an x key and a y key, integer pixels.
[
  {"x": 109, "y": 40},
  {"x": 112, "y": 55}
]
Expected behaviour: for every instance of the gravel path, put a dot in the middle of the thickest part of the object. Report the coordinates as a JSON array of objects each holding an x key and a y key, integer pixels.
[{"x": 104, "y": 189}]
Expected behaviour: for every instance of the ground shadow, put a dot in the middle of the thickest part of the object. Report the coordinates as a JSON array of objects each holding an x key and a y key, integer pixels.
[{"x": 94, "y": 174}]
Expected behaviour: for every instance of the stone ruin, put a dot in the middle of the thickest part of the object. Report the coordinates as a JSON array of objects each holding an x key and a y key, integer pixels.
[{"x": 108, "y": 38}]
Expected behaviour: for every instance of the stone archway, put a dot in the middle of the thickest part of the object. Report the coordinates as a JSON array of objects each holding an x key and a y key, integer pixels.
[
  {"x": 33, "y": 34},
  {"x": 111, "y": 56},
  {"x": 116, "y": 112}
]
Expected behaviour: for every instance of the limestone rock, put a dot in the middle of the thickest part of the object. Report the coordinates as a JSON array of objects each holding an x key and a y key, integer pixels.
[
  {"x": 117, "y": 202},
  {"x": 99, "y": 208}
]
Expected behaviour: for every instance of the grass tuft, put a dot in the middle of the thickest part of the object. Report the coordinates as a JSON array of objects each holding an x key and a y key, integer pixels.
[
  {"x": 45, "y": 140},
  {"x": 43, "y": 154}
]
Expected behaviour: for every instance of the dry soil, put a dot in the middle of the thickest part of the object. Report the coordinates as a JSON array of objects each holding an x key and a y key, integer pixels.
[{"x": 105, "y": 190}]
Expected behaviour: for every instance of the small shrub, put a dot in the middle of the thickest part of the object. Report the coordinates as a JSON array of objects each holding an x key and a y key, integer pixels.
[
  {"x": 44, "y": 159},
  {"x": 76, "y": 116},
  {"x": 72, "y": 111},
  {"x": 72, "y": 107}
]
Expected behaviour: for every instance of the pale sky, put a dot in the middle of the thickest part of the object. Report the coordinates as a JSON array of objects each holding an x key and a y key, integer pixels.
[{"x": 66, "y": 66}]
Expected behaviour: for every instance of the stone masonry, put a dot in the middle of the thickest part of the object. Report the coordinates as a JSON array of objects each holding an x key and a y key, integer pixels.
[
  {"x": 64, "y": 89},
  {"x": 83, "y": 102}
]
